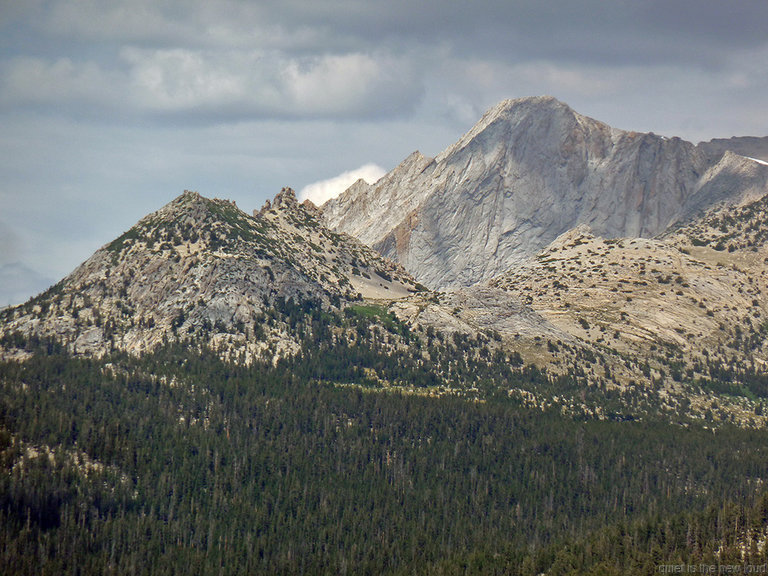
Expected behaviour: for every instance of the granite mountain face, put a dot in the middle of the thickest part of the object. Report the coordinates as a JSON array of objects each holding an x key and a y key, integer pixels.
[{"x": 528, "y": 171}]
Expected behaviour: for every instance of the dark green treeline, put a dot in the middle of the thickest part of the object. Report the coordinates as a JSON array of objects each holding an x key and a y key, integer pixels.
[{"x": 178, "y": 463}]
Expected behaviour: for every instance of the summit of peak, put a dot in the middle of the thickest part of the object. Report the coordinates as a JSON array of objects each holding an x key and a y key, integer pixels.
[
  {"x": 519, "y": 115},
  {"x": 190, "y": 195},
  {"x": 538, "y": 104},
  {"x": 286, "y": 198},
  {"x": 187, "y": 198},
  {"x": 538, "y": 101},
  {"x": 188, "y": 204}
]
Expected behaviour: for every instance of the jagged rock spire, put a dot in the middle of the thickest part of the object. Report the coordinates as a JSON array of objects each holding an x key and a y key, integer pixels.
[{"x": 285, "y": 199}]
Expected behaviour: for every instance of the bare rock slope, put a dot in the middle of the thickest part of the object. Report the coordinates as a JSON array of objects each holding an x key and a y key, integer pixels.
[
  {"x": 691, "y": 302},
  {"x": 528, "y": 171}
]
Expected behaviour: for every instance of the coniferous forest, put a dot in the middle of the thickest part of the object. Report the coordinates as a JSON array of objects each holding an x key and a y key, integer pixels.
[{"x": 176, "y": 462}]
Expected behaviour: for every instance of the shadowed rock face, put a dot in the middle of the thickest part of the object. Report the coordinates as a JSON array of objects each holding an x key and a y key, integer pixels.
[{"x": 528, "y": 171}]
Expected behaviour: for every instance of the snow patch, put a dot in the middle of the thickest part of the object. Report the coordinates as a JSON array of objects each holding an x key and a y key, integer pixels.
[{"x": 763, "y": 162}]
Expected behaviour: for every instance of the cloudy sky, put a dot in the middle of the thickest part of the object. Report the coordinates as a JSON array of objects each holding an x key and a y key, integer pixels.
[{"x": 109, "y": 109}]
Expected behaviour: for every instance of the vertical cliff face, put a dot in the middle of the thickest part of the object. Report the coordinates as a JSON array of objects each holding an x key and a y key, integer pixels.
[{"x": 528, "y": 171}]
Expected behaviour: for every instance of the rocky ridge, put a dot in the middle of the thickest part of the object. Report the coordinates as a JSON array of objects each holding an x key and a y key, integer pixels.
[
  {"x": 748, "y": 146},
  {"x": 688, "y": 310},
  {"x": 528, "y": 171},
  {"x": 200, "y": 266}
]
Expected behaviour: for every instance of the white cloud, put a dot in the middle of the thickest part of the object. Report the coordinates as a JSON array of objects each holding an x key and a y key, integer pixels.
[
  {"x": 322, "y": 191},
  {"x": 179, "y": 79},
  {"x": 353, "y": 83}
]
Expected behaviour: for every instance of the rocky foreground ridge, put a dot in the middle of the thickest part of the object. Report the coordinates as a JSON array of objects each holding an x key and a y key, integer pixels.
[
  {"x": 527, "y": 172},
  {"x": 200, "y": 266}
]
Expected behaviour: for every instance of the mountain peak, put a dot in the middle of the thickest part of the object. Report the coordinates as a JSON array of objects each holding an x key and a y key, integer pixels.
[
  {"x": 531, "y": 102},
  {"x": 525, "y": 117},
  {"x": 190, "y": 205},
  {"x": 529, "y": 170},
  {"x": 286, "y": 198},
  {"x": 286, "y": 201},
  {"x": 202, "y": 268}
]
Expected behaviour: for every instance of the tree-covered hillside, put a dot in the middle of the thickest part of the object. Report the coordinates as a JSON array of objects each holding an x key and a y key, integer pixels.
[
  {"x": 220, "y": 393},
  {"x": 178, "y": 462}
]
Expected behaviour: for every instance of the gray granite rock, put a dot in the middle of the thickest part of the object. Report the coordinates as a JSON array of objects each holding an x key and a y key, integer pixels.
[{"x": 528, "y": 171}]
